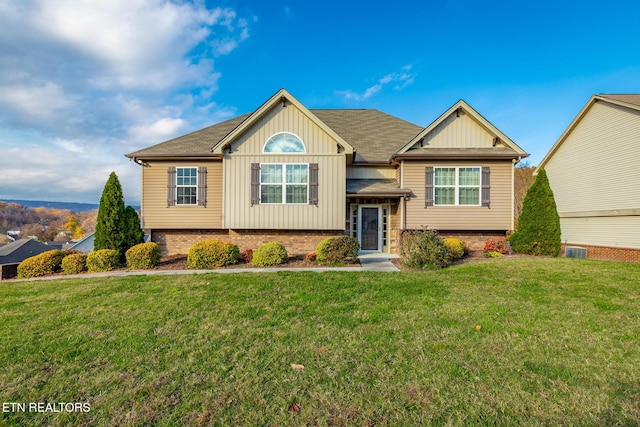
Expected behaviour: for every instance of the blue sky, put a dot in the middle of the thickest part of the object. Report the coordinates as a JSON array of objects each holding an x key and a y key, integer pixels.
[{"x": 82, "y": 82}]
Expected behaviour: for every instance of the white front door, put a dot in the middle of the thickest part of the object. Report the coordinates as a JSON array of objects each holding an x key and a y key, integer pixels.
[{"x": 370, "y": 228}]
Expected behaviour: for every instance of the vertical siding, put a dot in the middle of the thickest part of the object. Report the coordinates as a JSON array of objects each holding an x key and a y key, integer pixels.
[
  {"x": 620, "y": 231},
  {"x": 156, "y": 214},
  {"x": 498, "y": 217},
  {"x": 321, "y": 149},
  {"x": 459, "y": 132},
  {"x": 597, "y": 166}
]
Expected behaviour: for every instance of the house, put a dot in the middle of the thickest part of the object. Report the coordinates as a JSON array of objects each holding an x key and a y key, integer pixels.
[
  {"x": 594, "y": 174},
  {"x": 297, "y": 175},
  {"x": 14, "y": 253},
  {"x": 84, "y": 245}
]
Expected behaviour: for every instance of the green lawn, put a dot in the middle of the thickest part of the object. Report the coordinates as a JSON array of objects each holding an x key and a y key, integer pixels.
[{"x": 557, "y": 345}]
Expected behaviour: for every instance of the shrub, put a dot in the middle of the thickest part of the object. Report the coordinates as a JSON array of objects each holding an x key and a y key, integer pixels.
[
  {"x": 455, "y": 247},
  {"x": 272, "y": 253},
  {"x": 493, "y": 254},
  {"x": 424, "y": 249},
  {"x": 311, "y": 256},
  {"x": 103, "y": 260},
  {"x": 247, "y": 255},
  {"x": 209, "y": 254},
  {"x": 498, "y": 244},
  {"x": 143, "y": 256},
  {"x": 337, "y": 249},
  {"x": 74, "y": 264},
  {"x": 44, "y": 264},
  {"x": 539, "y": 224}
]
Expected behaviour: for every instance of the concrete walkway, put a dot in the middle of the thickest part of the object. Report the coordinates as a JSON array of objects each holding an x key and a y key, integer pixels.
[
  {"x": 368, "y": 262},
  {"x": 377, "y": 262}
]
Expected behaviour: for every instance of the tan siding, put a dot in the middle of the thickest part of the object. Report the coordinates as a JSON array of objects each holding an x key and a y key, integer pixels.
[
  {"x": 156, "y": 214},
  {"x": 621, "y": 231},
  {"x": 459, "y": 132},
  {"x": 596, "y": 167},
  {"x": 368, "y": 172},
  {"x": 498, "y": 217}
]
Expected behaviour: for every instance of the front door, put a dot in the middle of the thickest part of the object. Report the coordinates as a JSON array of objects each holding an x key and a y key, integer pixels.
[{"x": 370, "y": 228}]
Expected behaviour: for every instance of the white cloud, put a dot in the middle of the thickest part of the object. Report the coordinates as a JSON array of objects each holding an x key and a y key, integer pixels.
[
  {"x": 402, "y": 80},
  {"x": 83, "y": 82}
]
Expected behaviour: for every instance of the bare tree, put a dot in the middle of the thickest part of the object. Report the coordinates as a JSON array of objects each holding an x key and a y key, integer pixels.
[{"x": 523, "y": 179}]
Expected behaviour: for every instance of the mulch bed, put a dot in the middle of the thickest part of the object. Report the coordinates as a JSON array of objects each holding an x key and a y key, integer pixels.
[{"x": 179, "y": 262}]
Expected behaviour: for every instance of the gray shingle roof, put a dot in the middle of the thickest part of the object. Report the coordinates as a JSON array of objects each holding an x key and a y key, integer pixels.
[
  {"x": 374, "y": 186},
  {"x": 20, "y": 250},
  {"x": 375, "y": 135}
]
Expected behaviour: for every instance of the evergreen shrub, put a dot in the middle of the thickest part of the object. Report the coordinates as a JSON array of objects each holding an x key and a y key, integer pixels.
[
  {"x": 455, "y": 247},
  {"x": 44, "y": 264},
  {"x": 424, "y": 249},
  {"x": 209, "y": 254},
  {"x": 337, "y": 249},
  {"x": 143, "y": 256},
  {"x": 269, "y": 254},
  {"x": 539, "y": 223},
  {"x": 74, "y": 264},
  {"x": 103, "y": 260}
]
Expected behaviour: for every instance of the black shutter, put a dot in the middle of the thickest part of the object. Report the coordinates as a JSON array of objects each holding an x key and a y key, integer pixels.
[
  {"x": 171, "y": 186},
  {"x": 313, "y": 184},
  {"x": 486, "y": 187},
  {"x": 202, "y": 186},
  {"x": 255, "y": 184},
  {"x": 428, "y": 186}
]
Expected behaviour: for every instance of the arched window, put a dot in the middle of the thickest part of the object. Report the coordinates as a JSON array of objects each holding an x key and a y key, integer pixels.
[{"x": 284, "y": 142}]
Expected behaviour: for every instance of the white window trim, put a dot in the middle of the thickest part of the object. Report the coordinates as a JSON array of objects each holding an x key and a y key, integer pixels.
[
  {"x": 284, "y": 184},
  {"x": 457, "y": 185},
  {"x": 186, "y": 186},
  {"x": 284, "y": 152}
]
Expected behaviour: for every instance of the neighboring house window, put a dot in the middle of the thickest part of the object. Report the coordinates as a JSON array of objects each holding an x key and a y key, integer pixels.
[
  {"x": 284, "y": 142},
  {"x": 456, "y": 186},
  {"x": 286, "y": 183},
  {"x": 187, "y": 186}
]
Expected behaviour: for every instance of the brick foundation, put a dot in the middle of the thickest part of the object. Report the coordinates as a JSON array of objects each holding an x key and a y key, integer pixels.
[
  {"x": 297, "y": 242},
  {"x": 608, "y": 252}
]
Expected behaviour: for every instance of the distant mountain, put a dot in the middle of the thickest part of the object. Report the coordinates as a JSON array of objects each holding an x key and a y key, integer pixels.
[{"x": 74, "y": 207}]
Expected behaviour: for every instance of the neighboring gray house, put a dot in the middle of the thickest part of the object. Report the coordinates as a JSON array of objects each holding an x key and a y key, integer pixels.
[
  {"x": 594, "y": 172},
  {"x": 14, "y": 253},
  {"x": 85, "y": 245}
]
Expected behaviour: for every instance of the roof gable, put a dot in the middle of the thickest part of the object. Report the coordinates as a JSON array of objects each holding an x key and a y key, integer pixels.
[
  {"x": 461, "y": 115},
  {"x": 631, "y": 101},
  {"x": 282, "y": 97}
]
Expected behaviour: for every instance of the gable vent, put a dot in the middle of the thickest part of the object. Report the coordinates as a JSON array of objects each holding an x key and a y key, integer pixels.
[{"x": 575, "y": 252}]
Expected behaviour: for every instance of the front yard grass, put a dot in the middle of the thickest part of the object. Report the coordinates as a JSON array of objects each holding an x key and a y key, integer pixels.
[{"x": 507, "y": 342}]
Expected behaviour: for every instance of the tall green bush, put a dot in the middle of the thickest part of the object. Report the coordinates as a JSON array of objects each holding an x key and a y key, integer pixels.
[
  {"x": 539, "y": 224},
  {"x": 117, "y": 227}
]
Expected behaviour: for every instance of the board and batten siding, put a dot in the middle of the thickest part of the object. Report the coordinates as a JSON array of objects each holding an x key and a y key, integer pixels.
[
  {"x": 321, "y": 148},
  {"x": 459, "y": 132},
  {"x": 597, "y": 166},
  {"x": 595, "y": 178},
  {"x": 156, "y": 214},
  {"x": 498, "y": 217}
]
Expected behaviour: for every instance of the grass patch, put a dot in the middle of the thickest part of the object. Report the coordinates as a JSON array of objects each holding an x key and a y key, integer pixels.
[{"x": 556, "y": 345}]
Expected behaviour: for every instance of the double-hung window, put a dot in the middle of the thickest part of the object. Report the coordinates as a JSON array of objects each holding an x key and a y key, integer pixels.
[
  {"x": 186, "y": 186},
  {"x": 457, "y": 186},
  {"x": 286, "y": 183}
]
